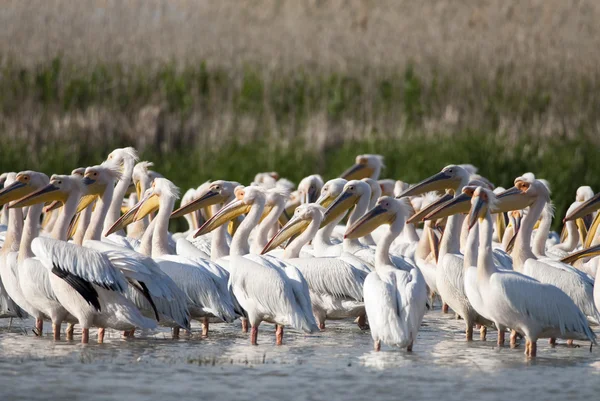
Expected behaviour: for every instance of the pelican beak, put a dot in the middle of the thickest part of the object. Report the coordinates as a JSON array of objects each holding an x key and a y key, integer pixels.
[
  {"x": 511, "y": 199},
  {"x": 53, "y": 206},
  {"x": 587, "y": 207},
  {"x": 478, "y": 210},
  {"x": 227, "y": 213},
  {"x": 358, "y": 172},
  {"x": 208, "y": 199},
  {"x": 417, "y": 217},
  {"x": 583, "y": 232},
  {"x": 325, "y": 200},
  {"x": 458, "y": 204},
  {"x": 149, "y": 204},
  {"x": 14, "y": 191},
  {"x": 131, "y": 189},
  {"x": 434, "y": 243},
  {"x": 283, "y": 219},
  {"x": 138, "y": 189},
  {"x": 94, "y": 189},
  {"x": 233, "y": 225},
  {"x": 591, "y": 233},
  {"x": 125, "y": 220},
  {"x": 49, "y": 193},
  {"x": 293, "y": 227},
  {"x": 73, "y": 225},
  {"x": 370, "y": 221},
  {"x": 584, "y": 253},
  {"x": 500, "y": 225},
  {"x": 266, "y": 211},
  {"x": 290, "y": 208},
  {"x": 437, "y": 182},
  {"x": 343, "y": 202}
]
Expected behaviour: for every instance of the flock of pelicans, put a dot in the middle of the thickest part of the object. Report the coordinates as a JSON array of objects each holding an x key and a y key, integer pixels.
[{"x": 93, "y": 248}]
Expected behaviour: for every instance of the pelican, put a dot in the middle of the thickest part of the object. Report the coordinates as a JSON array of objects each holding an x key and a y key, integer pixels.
[
  {"x": 357, "y": 194},
  {"x": 335, "y": 284},
  {"x": 84, "y": 281},
  {"x": 395, "y": 299},
  {"x": 451, "y": 266},
  {"x": 15, "y": 187},
  {"x": 266, "y": 292},
  {"x": 309, "y": 188},
  {"x": 203, "y": 282},
  {"x": 514, "y": 300},
  {"x": 576, "y": 284},
  {"x": 150, "y": 289},
  {"x": 366, "y": 166}
]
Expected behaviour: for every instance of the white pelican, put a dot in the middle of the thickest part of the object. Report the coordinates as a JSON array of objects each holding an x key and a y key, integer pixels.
[
  {"x": 335, "y": 285},
  {"x": 265, "y": 292},
  {"x": 151, "y": 290},
  {"x": 322, "y": 243},
  {"x": 309, "y": 188},
  {"x": 366, "y": 166},
  {"x": 14, "y": 188},
  {"x": 513, "y": 300},
  {"x": 203, "y": 282},
  {"x": 578, "y": 285},
  {"x": 450, "y": 268},
  {"x": 33, "y": 277},
  {"x": 395, "y": 299},
  {"x": 84, "y": 281}
]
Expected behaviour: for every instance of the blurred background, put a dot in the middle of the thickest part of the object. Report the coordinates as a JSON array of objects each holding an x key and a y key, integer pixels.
[{"x": 224, "y": 89}]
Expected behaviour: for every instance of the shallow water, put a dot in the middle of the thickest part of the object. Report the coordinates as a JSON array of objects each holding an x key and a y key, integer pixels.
[{"x": 337, "y": 364}]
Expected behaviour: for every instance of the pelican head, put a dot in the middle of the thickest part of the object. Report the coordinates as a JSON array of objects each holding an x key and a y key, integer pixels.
[
  {"x": 479, "y": 205},
  {"x": 353, "y": 191},
  {"x": 245, "y": 197},
  {"x": 385, "y": 211},
  {"x": 95, "y": 181},
  {"x": 59, "y": 189},
  {"x": 24, "y": 183},
  {"x": 585, "y": 208},
  {"x": 301, "y": 219},
  {"x": 449, "y": 178},
  {"x": 522, "y": 195},
  {"x": 458, "y": 204},
  {"x": 162, "y": 190},
  {"x": 366, "y": 166},
  {"x": 142, "y": 177},
  {"x": 277, "y": 196},
  {"x": 309, "y": 188},
  {"x": 331, "y": 190},
  {"x": 123, "y": 157},
  {"x": 217, "y": 192},
  {"x": 584, "y": 193}
]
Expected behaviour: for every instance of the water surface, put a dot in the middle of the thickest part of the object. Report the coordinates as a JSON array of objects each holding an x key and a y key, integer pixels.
[{"x": 337, "y": 364}]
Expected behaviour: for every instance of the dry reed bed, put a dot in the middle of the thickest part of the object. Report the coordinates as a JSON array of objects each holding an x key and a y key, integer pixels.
[{"x": 281, "y": 83}]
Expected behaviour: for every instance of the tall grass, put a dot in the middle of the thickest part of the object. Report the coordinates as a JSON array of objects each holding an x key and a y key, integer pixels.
[{"x": 224, "y": 89}]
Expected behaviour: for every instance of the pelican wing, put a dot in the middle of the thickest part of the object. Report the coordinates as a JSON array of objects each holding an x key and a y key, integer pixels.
[
  {"x": 189, "y": 250},
  {"x": 74, "y": 262},
  {"x": 198, "y": 285},
  {"x": 332, "y": 276},
  {"x": 550, "y": 306}
]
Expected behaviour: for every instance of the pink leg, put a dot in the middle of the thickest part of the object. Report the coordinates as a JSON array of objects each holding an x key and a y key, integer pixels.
[
  {"x": 175, "y": 332},
  {"x": 482, "y": 333},
  {"x": 321, "y": 326},
  {"x": 377, "y": 345},
  {"x": 132, "y": 332},
  {"x": 56, "y": 331},
  {"x": 532, "y": 349},
  {"x": 254, "y": 335},
  {"x": 101, "y": 335},
  {"x": 205, "y": 327},
  {"x": 39, "y": 327},
  {"x": 409, "y": 348},
  {"x": 552, "y": 342},
  {"x": 362, "y": 322},
  {"x": 513, "y": 338},
  {"x": 279, "y": 335},
  {"x": 445, "y": 308},
  {"x": 69, "y": 331},
  {"x": 500, "y": 338},
  {"x": 244, "y": 325},
  {"x": 469, "y": 332},
  {"x": 85, "y": 335}
]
